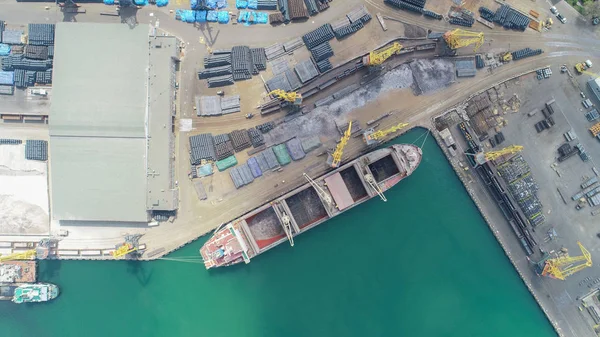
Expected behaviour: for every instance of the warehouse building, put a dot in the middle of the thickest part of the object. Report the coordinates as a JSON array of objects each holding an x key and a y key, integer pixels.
[
  {"x": 111, "y": 123},
  {"x": 594, "y": 86}
]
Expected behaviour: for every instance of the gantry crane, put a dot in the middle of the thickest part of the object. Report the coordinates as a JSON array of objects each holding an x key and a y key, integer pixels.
[
  {"x": 459, "y": 38},
  {"x": 482, "y": 157},
  {"x": 564, "y": 266},
  {"x": 291, "y": 96},
  {"x": 377, "y": 57},
  {"x": 24, "y": 255},
  {"x": 335, "y": 158},
  {"x": 372, "y": 137}
]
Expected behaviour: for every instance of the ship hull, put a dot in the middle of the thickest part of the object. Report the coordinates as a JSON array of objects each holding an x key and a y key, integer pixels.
[
  {"x": 35, "y": 292},
  {"x": 309, "y": 205}
]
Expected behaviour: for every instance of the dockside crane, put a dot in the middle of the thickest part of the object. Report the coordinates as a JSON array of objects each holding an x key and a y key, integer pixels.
[
  {"x": 291, "y": 96},
  {"x": 335, "y": 158},
  {"x": 372, "y": 137},
  {"x": 325, "y": 197},
  {"x": 564, "y": 266},
  {"x": 24, "y": 255},
  {"x": 286, "y": 222},
  {"x": 377, "y": 57},
  {"x": 130, "y": 246},
  {"x": 459, "y": 38},
  {"x": 483, "y": 157}
]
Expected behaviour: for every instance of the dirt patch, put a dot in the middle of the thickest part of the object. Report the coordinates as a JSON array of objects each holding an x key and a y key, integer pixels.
[
  {"x": 432, "y": 75},
  {"x": 413, "y": 31}
]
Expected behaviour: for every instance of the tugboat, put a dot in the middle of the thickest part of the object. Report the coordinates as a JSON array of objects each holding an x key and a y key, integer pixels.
[{"x": 36, "y": 292}]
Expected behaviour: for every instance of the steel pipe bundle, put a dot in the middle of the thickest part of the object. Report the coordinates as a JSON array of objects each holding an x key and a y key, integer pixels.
[
  {"x": 224, "y": 150},
  {"x": 404, "y": 5},
  {"x": 318, "y": 36},
  {"x": 43, "y": 77},
  {"x": 292, "y": 45},
  {"x": 256, "y": 138},
  {"x": 259, "y": 58},
  {"x": 240, "y": 140},
  {"x": 222, "y": 138},
  {"x": 432, "y": 14},
  {"x": 241, "y": 61},
  {"x": 8, "y": 141},
  {"x": 284, "y": 9},
  {"x": 321, "y": 52},
  {"x": 487, "y": 13},
  {"x": 311, "y": 6},
  {"x": 324, "y": 66},
  {"x": 219, "y": 60},
  {"x": 202, "y": 146},
  {"x": 462, "y": 22},
  {"x": 297, "y": 9},
  {"x": 41, "y": 34},
  {"x": 36, "y": 52},
  {"x": 511, "y": 19},
  {"x": 265, "y": 127},
  {"x": 266, "y": 5},
  {"x": 220, "y": 81},
  {"x": 213, "y": 72},
  {"x": 322, "y": 5},
  {"x": 344, "y": 31},
  {"x": 527, "y": 52}
]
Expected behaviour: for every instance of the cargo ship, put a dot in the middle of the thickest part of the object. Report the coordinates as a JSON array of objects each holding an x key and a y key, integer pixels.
[
  {"x": 309, "y": 205},
  {"x": 28, "y": 292}
]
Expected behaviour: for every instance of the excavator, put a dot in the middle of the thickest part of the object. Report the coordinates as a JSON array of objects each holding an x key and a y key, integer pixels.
[
  {"x": 583, "y": 66},
  {"x": 372, "y": 137},
  {"x": 459, "y": 38},
  {"x": 291, "y": 96},
  {"x": 483, "y": 157},
  {"x": 564, "y": 265},
  {"x": 335, "y": 158},
  {"x": 377, "y": 57}
]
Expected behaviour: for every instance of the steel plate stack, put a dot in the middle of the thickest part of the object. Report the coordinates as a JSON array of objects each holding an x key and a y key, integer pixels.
[{"x": 306, "y": 71}]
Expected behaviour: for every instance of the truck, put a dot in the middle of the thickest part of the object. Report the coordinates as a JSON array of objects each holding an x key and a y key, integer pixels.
[{"x": 582, "y": 66}]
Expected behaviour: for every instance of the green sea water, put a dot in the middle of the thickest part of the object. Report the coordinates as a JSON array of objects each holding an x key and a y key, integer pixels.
[{"x": 422, "y": 264}]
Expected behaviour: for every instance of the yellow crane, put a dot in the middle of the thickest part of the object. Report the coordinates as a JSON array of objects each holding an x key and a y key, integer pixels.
[
  {"x": 291, "y": 96},
  {"x": 25, "y": 255},
  {"x": 459, "y": 38},
  {"x": 372, "y": 137},
  {"x": 588, "y": 73},
  {"x": 335, "y": 158},
  {"x": 377, "y": 57},
  {"x": 565, "y": 265},
  {"x": 482, "y": 157},
  {"x": 123, "y": 250},
  {"x": 582, "y": 66}
]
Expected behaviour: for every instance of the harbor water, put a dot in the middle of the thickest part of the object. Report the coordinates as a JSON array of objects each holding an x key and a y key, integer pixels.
[{"x": 423, "y": 264}]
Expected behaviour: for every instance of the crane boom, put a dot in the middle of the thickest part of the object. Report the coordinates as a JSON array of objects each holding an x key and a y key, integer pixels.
[
  {"x": 25, "y": 255},
  {"x": 292, "y": 96},
  {"x": 336, "y": 157},
  {"x": 565, "y": 266},
  {"x": 377, "y": 57},
  {"x": 320, "y": 191},
  {"x": 123, "y": 250},
  {"x": 459, "y": 38},
  {"x": 372, "y": 137},
  {"x": 493, "y": 155}
]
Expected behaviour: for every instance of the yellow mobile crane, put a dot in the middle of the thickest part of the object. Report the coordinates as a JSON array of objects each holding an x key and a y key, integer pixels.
[
  {"x": 335, "y": 158},
  {"x": 372, "y": 137},
  {"x": 292, "y": 97},
  {"x": 482, "y": 157},
  {"x": 459, "y": 38},
  {"x": 564, "y": 266},
  {"x": 130, "y": 247},
  {"x": 25, "y": 255},
  {"x": 377, "y": 57}
]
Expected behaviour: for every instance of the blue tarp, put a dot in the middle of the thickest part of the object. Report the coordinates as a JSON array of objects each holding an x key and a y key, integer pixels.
[
  {"x": 205, "y": 170},
  {"x": 4, "y": 49},
  {"x": 252, "y": 17},
  {"x": 241, "y": 4},
  {"x": 212, "y": 4},
  {"x": 253, "y": 4},
  {"x": 200, "y": 16},
  {"x": 254, "y": 167},
  {"x": 109, "y": 2},
  {"x": 7, "y": 77},
  {"x": 162, "y": 3},
  {"x": 187, "y": 15},
  {"x": 223, "y": 17},
  {"x": 140, "y": 2},
  {"x": 212, "y": 16}
]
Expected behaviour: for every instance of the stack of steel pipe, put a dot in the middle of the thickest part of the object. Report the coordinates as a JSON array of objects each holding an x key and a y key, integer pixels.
[
  {"x": 321, "y": 52},
  {"x": 241, "y": 62},
  {"x": 486, "y": 13},
  {"x": 230, "y": 104},
  {"x": 36, "y": 52},
  {"x": 43, "y": 77},
  {"x": 324, "y": 66},
  {"x": 265, "y": 127},
  {"x": 217, "y": 60},
  {"x": 240, "y": 140},
  {"x": 10, "y": 141},
  {"x": 213, "y": 72},
  {"x": 432, "y": 14},
  {"x": 318, "y": 36},
  {"x": 284, "y": 9},
  {"x": 222, "y": 138},
  {"x": 276, "y": 18},
  {"x": 322, "y": 5},
  {"x": 311, "y": 6},
  {"x": 224, "y": 150},
  {"x": 220, "y": 81},
  {"x": 357, "y": 14},
  {"x": 259, "y": 58},
  {"x": 523, "y": 53},
  {"x": 297, "y": 9},
  {"x": 36, "y": 150},
  {"x": 202, "y": 146},
  {"x": 404, "y": 5},
  {"x": 344, "y": 31},
  {"x": 462, "y": 22},
  {"x": 292, "y": 45},
  {"x": 256, "y": 137},
  {"x": 274, "y": 51},
  {"x": 41, "y": 34},
  {"x": 270, "y": 5},
  {"x": 511, "y": 19},
  {"x": 418, "y": 3},
  {"x": 51, "y": 52}
]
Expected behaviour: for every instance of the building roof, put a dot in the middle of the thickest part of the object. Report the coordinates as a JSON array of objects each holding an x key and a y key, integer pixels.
[
  {"x": 594, "y": 86},
  {"x": 110, "y": 123}
]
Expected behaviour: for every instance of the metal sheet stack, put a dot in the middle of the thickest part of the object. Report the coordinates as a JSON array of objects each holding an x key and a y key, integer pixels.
[
  {"x": 217, "y": 60},
  {"x": 259, "y": 58},
  {"x": 220, "y": 81},
  {"x": 208, "y": 105},
  {"x": 267, "y": 160},
  {"x": 274, "y": 51},
  {"x": 202, "y": 146},
  {"x": 241, "y": 175},
  {"x": 43, "y": 77},
  {"x": 241, "y": 61},
  {"x": 324, "y": 66},
  {"x": 230, "y": 104},
  {"x": 294, "y": 147},
  {"x": 510, "y": 18},
  {"x": 256, "y": 137},
  {"x": 265, "y": 127},
  {"x": 270, "y": 5},
  {"x": 36, "y": 150},
  {"x": 12, "y": 36},
  {"x": 321, "y": 52},
  {"x": 41, "y": 34},
  {"x": 214, "y": 72},
  {"x": 292, "y": 45},
  {"x": 297, "y": 9},
  {"x": 9, "y": 141},
  {"x": 306, "y": 71},
  {"x": 36, "y": 52},
  {"x": 240, "y": 140},
  {"x": 279, "y": 66},
  {"x": 465, "y": 68},
  {"x": 404, "y": 5},
  {"x": 293, "y": 79},
  {"x": 311, "y": 6},
  {"x": 279, "y": 82},
  {"x": 318, "y": 36}
]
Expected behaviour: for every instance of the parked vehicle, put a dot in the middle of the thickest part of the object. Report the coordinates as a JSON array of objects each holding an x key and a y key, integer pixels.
[{"x": 553, "y": 10}]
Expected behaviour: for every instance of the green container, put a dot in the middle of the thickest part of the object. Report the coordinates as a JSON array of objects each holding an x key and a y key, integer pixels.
[
  {"x": 283, "y": 157},
  {"x": 226, "y": 163}
]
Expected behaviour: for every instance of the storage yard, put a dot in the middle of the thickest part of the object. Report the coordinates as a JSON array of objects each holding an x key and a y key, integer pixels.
[{"x": 248, "y": 107}]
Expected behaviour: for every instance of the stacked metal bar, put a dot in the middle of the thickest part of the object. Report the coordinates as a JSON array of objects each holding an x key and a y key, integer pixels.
[
  {"x": 274, "y": 51},
  {"x": 43, "y": 77},
  {"x": 324, "y": 66},
  {"x": 344, "y": 31},
  {"x": 36, "y": 52},
  {"x": 213, "y": 72},
  {"x": 13, "y": 62},
  {"x": 7, "y": 90},
  {"x": 339, "y": 23},
  {"x": 318, "y": 36},
  {"x": 487, "y": 13},
  {"x": 241, "y": 61},
  {"x": 306, "y": 71},
  {"x": 276, "y": 18},
  {"x": 293, "y": 79},
  {"x": 241, "y": 175},
  {"x": 230, "y": 104},
  {"x": 224, "y": 150},
  {"x": 41, "y": 34},
  {"x": 311, "y": 6},
  {"x": 217, "y": 60},
  {"x": 220, "y": 81},
  {"x": 321, "y": 52},
  {"x": 240, "y": 140},
  {"x": 527, "y": 52},
  {"x": 12, "y": 36},
  {"x": 322, "y": 5},
  {"x": 510, "y": 18},
  {"x": 256, "y": 137},
  {"x": 294, "y": 147},
  {"x": 462, "y": 22},
  {"x": 265, "y": 127},
  {"x": 222, "y": 138},
  {"x": 9, "y": 141},
  {"x": 36, "y": 150},
  {"x": 208, "y": 106},
  {"x": 297, "y": 9},
  {"x": 432, "y": 14},
  {"x": 2, "y": 26},
  {"x": 259, "y": 58},
  {"x": 284, "y": 9},
  {"x": 292, "y": 45},
  {"x": 202, "y": 146},
  {"x": 270, "y": 5},
  {"x": 357, "y": 13}
]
